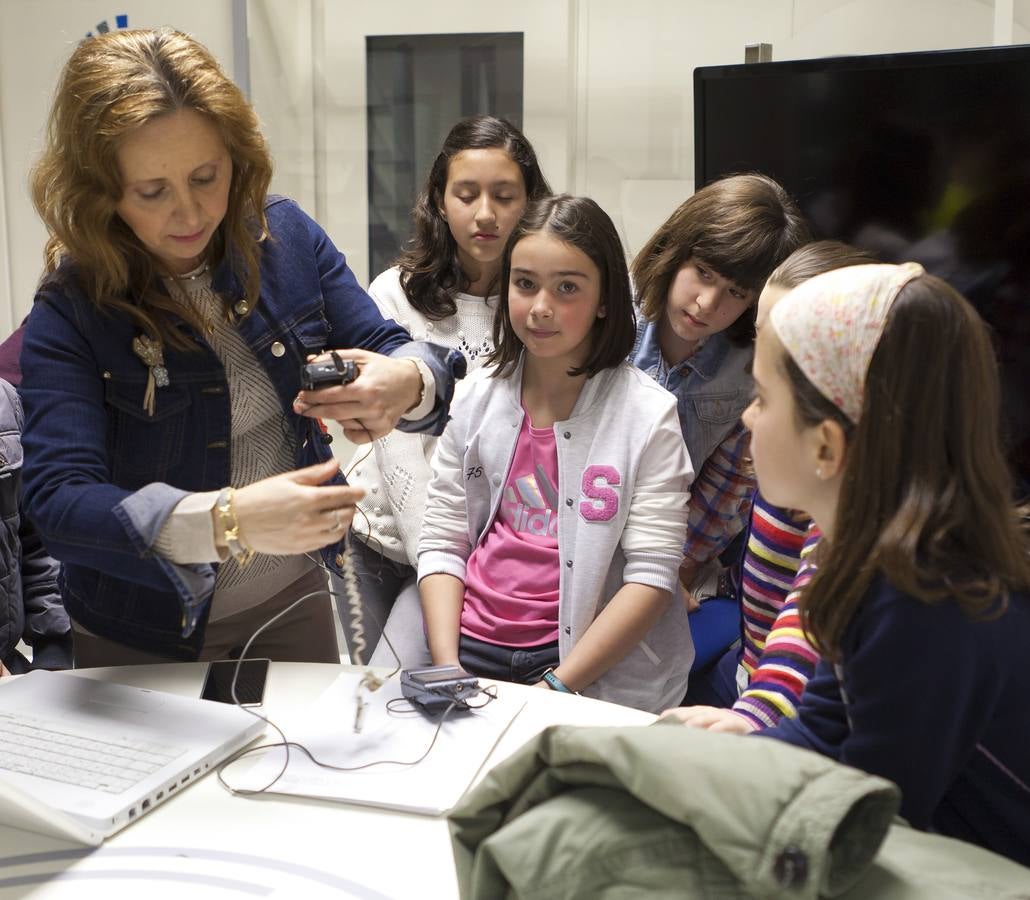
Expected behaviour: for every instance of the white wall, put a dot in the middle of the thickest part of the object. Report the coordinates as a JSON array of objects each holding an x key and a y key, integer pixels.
[
  {"x": 282, "y": 77},
  {"x": 608, "y": 88},
  {"x": 636, "y": 155},
  {"x": 36, "y": 37},
  {"x": 610, "y": 79},
  {"x": 329, "y": 37}
]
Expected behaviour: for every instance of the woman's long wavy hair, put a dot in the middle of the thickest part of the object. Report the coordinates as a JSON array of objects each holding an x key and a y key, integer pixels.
[
  {"x": 112, "y": 85},
  {"x": 430, "y": 271},
  {"x": 927, "y": 498}
]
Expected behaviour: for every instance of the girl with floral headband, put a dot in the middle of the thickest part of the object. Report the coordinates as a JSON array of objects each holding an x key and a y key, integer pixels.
[
  {"x": 762, "y": 677},
  {"x": 877, "y": 412}
]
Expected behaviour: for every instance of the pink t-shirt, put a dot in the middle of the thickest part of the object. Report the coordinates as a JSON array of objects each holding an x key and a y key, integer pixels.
[{"x": 511, "y": 579}]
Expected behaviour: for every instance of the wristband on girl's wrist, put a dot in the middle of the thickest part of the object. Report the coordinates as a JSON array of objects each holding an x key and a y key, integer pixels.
[
  {"x": 226, "y": 505},
  {"x": 555, "y": 683}
]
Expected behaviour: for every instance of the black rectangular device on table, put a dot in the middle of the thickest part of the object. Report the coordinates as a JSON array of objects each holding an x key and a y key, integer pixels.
[{"x": 435, "y": 688}]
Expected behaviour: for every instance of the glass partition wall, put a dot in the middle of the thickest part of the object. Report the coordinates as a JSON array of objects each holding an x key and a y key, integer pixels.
[{"x": 417, "y": 87}]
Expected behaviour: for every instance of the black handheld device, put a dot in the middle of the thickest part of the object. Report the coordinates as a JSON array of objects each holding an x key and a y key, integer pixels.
[
  {"x": 327, "y": 372},
  {"x": 434, "y": 688},
  {"x": 250, "y": 686}
]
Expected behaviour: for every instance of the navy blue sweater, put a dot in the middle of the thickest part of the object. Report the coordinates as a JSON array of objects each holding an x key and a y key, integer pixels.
[{"x": 938, "y": 703}]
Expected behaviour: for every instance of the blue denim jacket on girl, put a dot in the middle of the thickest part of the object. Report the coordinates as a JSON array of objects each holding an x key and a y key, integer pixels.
[
  {"x": 101, "y": 475},
  {"x": 712, "y": 388}
]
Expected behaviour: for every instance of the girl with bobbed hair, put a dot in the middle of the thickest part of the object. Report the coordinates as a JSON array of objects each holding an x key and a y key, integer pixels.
[
  {"x": 558, "y": 506},
  {"x": 697, "y": 281},
  {"x": 173, "y": 462}
]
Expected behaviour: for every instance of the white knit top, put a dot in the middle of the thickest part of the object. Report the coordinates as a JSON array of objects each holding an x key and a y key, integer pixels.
[{"x": 396, "y": 475}]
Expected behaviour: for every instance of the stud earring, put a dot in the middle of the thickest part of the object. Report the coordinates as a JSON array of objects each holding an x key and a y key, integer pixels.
[{"x": 819, "y": 473}]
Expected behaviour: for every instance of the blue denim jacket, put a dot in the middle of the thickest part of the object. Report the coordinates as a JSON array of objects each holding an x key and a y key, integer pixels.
[
  {"x": 712, "y": 387},
  {"x": 101, "y": 476}
]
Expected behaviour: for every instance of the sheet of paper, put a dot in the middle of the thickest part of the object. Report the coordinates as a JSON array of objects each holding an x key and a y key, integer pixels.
[{"x": 390, "y": 738}]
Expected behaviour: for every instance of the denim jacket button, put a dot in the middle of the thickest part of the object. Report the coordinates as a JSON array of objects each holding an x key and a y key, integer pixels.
[
  {"x": 242, "y": 308},
  {"x": 567, "y": 435},
  {"x": 278, "y": 349},
  {"x": 568, "y": 501},
  {"x": 568, "y": 563}
]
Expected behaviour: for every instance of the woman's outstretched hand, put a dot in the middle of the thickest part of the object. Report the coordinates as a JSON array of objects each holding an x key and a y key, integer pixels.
[
  {"x": 294, "y": 512},
  {"x": 372, "y": 404}
]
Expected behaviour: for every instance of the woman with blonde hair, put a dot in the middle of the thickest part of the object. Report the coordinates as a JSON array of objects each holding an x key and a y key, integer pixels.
[{"x": 173, "y": 462}]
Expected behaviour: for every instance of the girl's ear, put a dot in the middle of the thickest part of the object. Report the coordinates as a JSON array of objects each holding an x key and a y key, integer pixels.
[{"x": 831, "y": 449}]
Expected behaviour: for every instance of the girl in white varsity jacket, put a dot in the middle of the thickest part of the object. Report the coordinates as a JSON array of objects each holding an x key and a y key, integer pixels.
[
  {"x": 555, "y": 519},
  {"x": 443, "y": 288}
]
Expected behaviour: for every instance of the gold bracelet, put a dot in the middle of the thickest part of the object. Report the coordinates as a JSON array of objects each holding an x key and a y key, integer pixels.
[{"x": 227, "y": 517}]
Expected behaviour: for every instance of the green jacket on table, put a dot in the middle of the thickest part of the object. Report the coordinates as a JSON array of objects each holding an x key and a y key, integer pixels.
[{"x": 668, "y": 811}]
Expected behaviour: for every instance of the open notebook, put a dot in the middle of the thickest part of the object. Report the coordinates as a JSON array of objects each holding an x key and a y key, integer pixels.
[
  {"x": 80, "y": 759},
  {"x": 431, "y": 787}
]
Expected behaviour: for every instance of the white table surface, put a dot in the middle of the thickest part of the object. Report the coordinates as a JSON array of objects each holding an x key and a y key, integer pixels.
[{"x": 204, "y": 842}]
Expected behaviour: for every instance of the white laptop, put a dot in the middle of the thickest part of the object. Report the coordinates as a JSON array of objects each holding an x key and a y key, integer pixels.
[{"x": 81, "y": 759}]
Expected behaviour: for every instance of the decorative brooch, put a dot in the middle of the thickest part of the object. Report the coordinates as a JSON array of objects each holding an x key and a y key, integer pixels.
[{"x": 150, "y": 353}]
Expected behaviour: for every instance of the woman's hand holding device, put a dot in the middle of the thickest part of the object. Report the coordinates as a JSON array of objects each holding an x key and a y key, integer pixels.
[{"x": 369, "y": 407}]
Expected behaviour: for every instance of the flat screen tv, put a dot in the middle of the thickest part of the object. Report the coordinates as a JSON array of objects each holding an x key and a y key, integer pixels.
[{"x": 913, "y": 156}]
